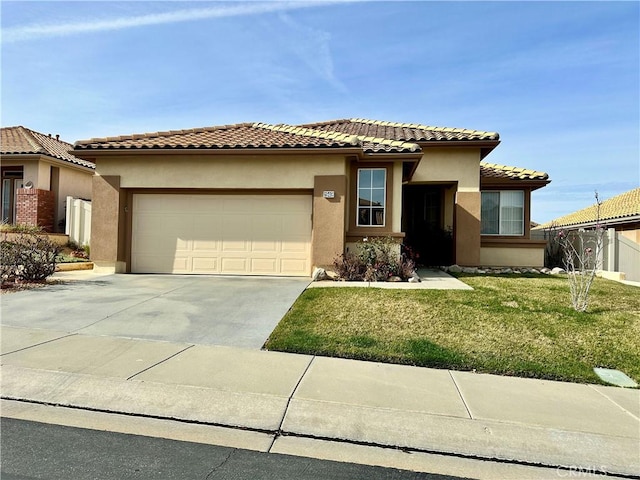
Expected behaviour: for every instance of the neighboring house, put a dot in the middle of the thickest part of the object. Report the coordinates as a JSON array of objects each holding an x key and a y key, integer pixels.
[
  {"x": 38, "y": 173},
  {"x": 620, "y": 217},
  {"x": 265, "y": 199},
  {"x": 621, "y": 213}
]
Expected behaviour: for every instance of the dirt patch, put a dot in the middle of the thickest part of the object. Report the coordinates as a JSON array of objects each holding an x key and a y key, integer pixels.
[{"x": 14, "y": 287}]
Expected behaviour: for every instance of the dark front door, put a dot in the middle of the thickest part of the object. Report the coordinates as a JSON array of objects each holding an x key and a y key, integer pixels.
[{"x": 423, "y": 224}]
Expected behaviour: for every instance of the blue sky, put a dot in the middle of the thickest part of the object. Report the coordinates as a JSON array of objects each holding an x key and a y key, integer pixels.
[{"x": 560, "y": 81}]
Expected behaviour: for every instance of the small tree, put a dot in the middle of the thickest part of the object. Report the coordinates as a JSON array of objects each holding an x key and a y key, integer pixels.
[{"x": 582, "y": 259}]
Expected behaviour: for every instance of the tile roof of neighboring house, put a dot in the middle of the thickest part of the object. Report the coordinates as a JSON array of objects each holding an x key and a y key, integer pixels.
[
  {"x": 21, "y": 140},
  {"x": 621, "y": 207},
  {"x": 411, "y": 132},
  {"x": 247, "y": 136},
  {"x": 493, "y": 170}
]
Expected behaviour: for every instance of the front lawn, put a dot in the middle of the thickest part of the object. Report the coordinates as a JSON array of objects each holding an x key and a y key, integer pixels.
[{"x": 511, "y": 325}]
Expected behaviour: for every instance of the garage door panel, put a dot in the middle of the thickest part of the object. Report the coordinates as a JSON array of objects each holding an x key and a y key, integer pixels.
[
  {"x": 294, "y": 246},
  {"x": 267, "y": 266},
  {"x": 238, "y": 265},
  {"x": 228, "y": 234},
  {"x": 265, "y": 246},
  {"x": 160, "y": 264},
  {"x": 294, "y": 267},
  {"x": 206, "y": 265}
]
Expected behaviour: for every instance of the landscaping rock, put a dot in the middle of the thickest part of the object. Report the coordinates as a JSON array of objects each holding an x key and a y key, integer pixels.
[
  {"x": 454, "y": 269},
  {"x": 414, "y": 279},
  {"x": 331, "y": 275},
  {"x": 394, "y": 279},
  {"x": 557, "y": 271},
  {"x": 506, "y": 270},
  {"x": 545, "y": 270},
  {"x": 469, "y": 270},
  {"x": 319, "y": 274}
]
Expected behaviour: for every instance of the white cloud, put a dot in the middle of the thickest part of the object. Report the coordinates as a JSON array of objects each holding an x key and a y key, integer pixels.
[
  {"x": 312, "y": 47},
  {"x": 44, "y": 30}
]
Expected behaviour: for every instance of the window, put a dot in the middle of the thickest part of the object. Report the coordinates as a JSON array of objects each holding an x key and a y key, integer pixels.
[
  {"x": 372, "y": 194},
  {"x": 503, "y": 213}
]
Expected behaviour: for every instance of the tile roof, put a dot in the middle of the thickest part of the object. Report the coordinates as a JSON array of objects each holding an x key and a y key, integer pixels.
[
  {"x": 368, "y": 144},
  {"x": 494, "y": 170},
  {"x": 623, "y": 206},
  {"x": 411, "y": 132},
  {"x": 246, "y": 136},
  {"x": 21, "y": 140}
]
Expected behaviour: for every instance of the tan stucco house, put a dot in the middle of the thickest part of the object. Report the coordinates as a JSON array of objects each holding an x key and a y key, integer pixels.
[
  {"x": 38, "y": 173},
  {"x": 265, "y": 199}
]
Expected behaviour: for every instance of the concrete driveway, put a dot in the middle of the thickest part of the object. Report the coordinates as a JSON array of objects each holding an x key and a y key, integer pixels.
[{"x": 212, "y": 310}]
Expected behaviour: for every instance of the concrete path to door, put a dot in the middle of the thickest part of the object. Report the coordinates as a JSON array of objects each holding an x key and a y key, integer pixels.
[{"x": 209, "y": 310}]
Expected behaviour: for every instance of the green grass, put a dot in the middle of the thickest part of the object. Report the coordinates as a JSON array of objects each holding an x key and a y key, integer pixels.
[{"x": 510, "y": 325}]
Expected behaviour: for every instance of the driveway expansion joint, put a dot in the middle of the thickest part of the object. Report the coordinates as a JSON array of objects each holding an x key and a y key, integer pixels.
[
  {"x": 161, "y": 361},
  {"x": 278, "y": 432},
  {"x": 453, "y": 379},
  {"x": 614, "y": 402},
  {"x": 70, "y": 334}
]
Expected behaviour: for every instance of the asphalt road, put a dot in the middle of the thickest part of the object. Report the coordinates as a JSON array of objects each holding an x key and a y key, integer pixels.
[{"x": 32, "y": 450}]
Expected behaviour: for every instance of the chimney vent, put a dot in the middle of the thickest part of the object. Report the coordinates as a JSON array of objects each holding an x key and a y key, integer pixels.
[{"x": 57, "y": 136}]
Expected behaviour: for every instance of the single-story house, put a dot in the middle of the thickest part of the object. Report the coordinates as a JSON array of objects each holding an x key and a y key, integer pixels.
[
  {"x": 264, "y": 199},
  {"x": 38, "y": 173},
  {"x": 621, "y": 213}
]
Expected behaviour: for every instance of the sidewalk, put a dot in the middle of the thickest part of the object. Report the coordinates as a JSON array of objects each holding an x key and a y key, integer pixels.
[{"x": 300, "y": 404}]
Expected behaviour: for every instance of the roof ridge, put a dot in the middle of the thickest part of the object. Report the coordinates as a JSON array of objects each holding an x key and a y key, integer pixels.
[
  {"x": 160, "y": 134},
  {"x": 46, "y": 136},
  {"x": 326, "y": 122},
  {"x": 420, "y": 126},
  {"x": 355, "y": 140},
  {"x": 31, "y": 138},
  {"x": 308, "y": 132}
]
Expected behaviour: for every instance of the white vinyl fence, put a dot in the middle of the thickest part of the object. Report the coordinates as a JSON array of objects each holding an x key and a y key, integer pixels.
[
  {"x": 622, "y": 255},
  {"x": 78, "y": 220}
]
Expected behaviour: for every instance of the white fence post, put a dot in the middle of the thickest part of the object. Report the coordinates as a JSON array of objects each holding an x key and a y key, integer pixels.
[
  {"x": 611, "y": 250},
  {"x": 78, "y": 225}
]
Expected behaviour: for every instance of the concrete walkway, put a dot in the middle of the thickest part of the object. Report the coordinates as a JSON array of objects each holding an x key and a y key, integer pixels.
[{"x": 401, "y": 416}]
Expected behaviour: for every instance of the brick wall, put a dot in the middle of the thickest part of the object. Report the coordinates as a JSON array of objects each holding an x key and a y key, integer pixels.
[{"x": 35, "y": 207}]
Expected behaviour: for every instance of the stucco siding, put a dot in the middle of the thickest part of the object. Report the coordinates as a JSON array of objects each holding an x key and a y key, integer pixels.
[
  {"x": 72, "y": 183},
  {"x": 461, "y": 165},
  {"x": 511, "y": 257},
  {"x": 220, "y": 171}
]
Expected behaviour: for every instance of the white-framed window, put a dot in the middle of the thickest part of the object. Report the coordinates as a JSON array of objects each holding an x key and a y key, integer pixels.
[
  {"x": 372, "y": 194},
  {"x": 502, "y": 212}
]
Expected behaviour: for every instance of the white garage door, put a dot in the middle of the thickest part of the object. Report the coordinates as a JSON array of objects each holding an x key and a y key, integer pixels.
[{"x": 226, "y": 234}]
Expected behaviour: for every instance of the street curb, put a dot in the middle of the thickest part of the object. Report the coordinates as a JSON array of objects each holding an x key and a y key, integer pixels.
[{"x": 428, "y": 433}]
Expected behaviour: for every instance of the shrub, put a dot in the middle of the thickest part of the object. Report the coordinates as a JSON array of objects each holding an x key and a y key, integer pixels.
[
  {"x": 376, "y": 261},
  {"x": 349, "y": 267},
  {"x": 30, "y": 258},
  {"x": 20, "y": 228}
]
